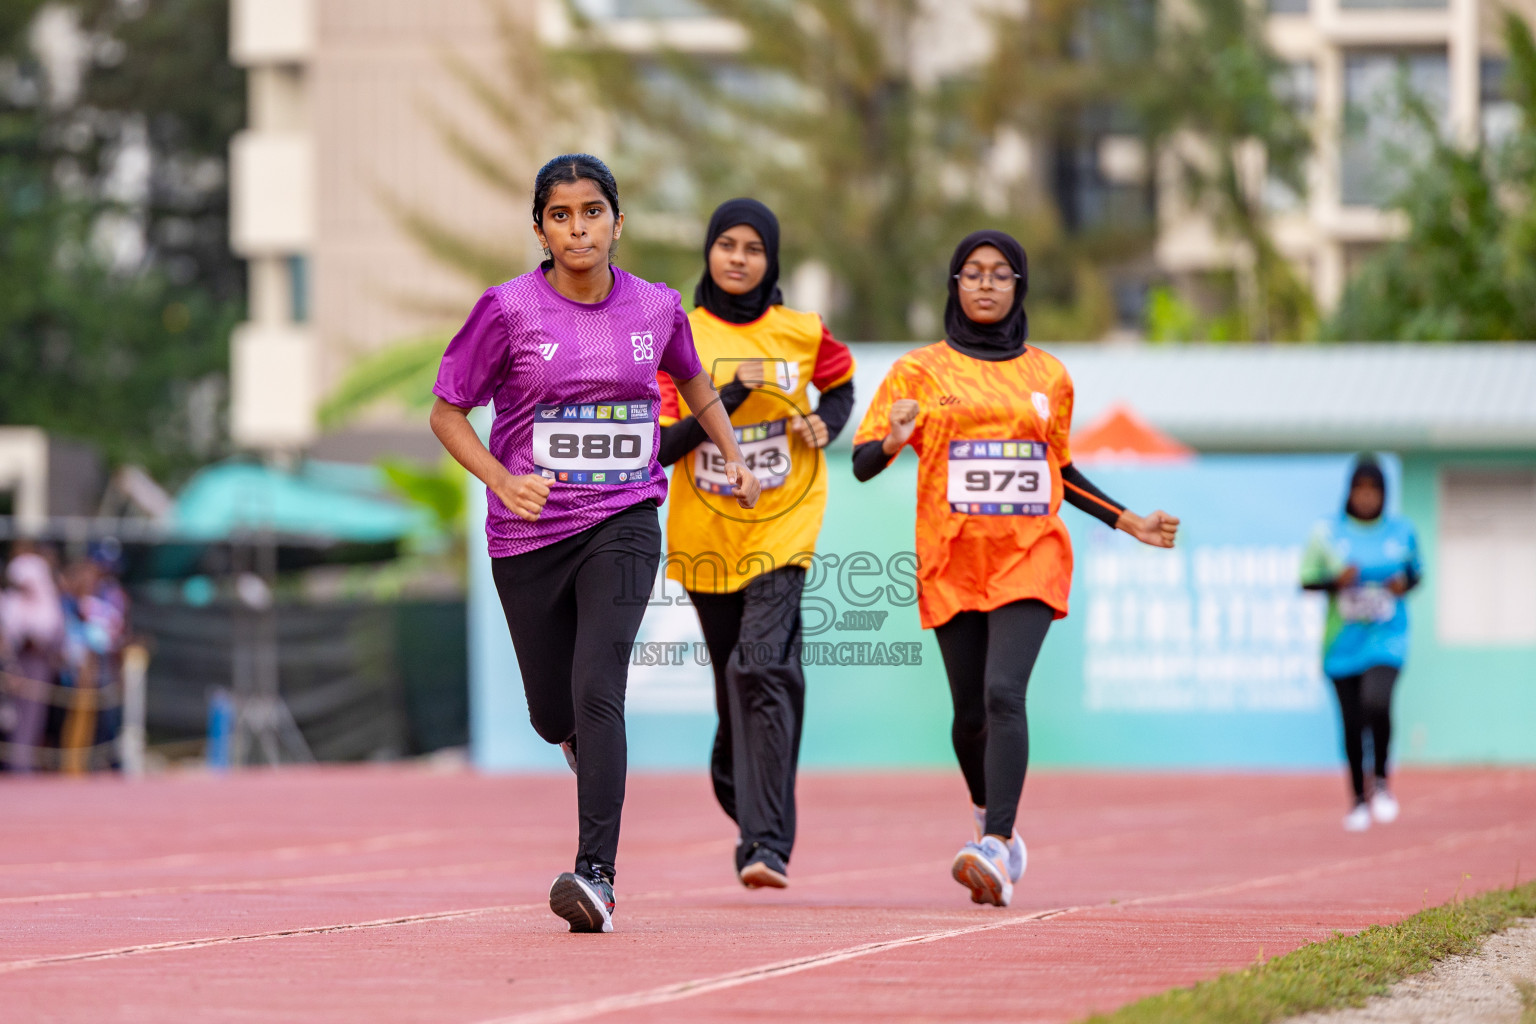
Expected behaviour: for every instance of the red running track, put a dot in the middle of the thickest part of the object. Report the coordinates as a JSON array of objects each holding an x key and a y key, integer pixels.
[{"x": 401, "y": 895}]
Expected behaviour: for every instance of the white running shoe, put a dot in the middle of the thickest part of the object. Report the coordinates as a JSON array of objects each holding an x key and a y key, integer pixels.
[
  {"x": 983, "y": 868},
  {"x": 1359, "y": 819},
  {"x": 587, "y": 903},
  {"x": 1018, "y": 856},
  {"x": 1383, "y": 805}
]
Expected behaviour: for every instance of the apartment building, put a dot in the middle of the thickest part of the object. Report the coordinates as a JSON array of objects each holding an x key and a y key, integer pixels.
[
  {"x": 346, "y": 111},
  {"x": 1346, "y": 59},
  {"x": 347, "y": 99}
]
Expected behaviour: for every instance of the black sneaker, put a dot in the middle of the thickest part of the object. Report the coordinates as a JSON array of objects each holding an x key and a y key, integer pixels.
[
  {"x": 764, "y": 869},
  {"x": 586, "y": 902}
]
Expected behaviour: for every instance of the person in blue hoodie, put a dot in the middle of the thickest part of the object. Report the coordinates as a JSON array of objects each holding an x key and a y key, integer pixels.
[{"x": 1366, "y": 561}]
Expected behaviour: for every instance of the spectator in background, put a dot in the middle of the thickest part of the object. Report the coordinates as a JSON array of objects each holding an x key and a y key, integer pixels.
[
  {"x": 95, "y": 616},
  {"x": 31, "y": 650}
]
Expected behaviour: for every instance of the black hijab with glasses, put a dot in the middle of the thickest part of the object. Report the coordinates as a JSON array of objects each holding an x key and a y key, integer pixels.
[{"x": 1004, "y": 339}]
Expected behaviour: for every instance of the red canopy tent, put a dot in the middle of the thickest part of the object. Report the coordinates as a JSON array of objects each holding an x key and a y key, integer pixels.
[{"x": 1121, "y": 434}]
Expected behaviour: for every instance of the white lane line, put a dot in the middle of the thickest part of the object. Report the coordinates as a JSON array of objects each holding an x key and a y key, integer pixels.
[
  {"x": 225, "y": 940},
  {"x": 1444, "y": 843},
  {"x": 746, "y": 976},
  {"x": 256, "y": 884},
  {"x": 340, "y": 847}
]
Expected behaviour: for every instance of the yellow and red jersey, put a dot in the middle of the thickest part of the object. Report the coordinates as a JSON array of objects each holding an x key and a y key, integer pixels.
[
  {"x": 991, "y": 439},
  {"x": 713, "y": 544}
]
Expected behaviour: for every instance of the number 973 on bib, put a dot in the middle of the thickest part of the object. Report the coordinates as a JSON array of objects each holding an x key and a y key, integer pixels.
[{"x": 999, "y": 478}]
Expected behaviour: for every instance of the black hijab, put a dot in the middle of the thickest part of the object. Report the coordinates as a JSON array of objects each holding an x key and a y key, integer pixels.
[
  {"x": 1367, "y": 470},
  {"x": 741, "y": 309},
  {"x": 1004, "y": 339}
]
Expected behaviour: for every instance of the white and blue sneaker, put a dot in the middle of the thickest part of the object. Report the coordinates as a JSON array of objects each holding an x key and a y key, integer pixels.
[
  {"x": 1018, "y": 855},
  {"x": 983, "y": 868},
  {"x": 586, "y": 901}
]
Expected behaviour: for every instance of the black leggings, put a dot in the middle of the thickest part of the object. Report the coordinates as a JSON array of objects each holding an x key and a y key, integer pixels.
[
  {"x": 754, "y": 647},
  {"x": 988, "y": 657},
  {"x": 1365, "y": 702},
  {"x": 574, "y": 609}
]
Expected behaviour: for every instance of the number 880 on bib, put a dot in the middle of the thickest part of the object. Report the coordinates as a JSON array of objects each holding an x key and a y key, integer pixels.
[{"x": 605, "y": 443}]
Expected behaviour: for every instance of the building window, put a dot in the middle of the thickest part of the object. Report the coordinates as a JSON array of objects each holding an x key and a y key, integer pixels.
[
  {"x": 600, "y": 10},
  {"x": 298, "y": 289},
  {"x": 1486, "y": 593},
  {"x": 1287, "y": 6},
  {"x": 1096, "y": 181},
  {"x": 1380, "y": 136},
  {"x": 1296, "y": 84},
  {"x": 1394, "y": 5},
  {"x": 1500, "y": 114}
]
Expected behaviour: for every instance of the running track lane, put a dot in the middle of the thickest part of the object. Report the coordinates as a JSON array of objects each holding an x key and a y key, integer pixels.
[{"x": 398, "y": 894}]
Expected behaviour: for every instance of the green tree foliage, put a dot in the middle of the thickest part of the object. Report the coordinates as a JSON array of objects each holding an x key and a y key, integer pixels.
[
  {"x": 1209, "y": 98},
  {"x": 829, "y": 114},
  {"x": 129, "y": 354},
  {"x": 147, "y": 55},
  {"x": 1466, "y": 269},
  {"x": 877, "y": 161}
]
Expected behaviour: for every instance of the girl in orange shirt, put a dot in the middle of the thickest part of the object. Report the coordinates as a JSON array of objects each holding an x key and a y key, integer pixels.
[{"x": 989, "y": 418}]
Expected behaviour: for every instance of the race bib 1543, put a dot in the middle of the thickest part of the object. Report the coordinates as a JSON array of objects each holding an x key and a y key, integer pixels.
[
  {"x": 606, "y": 443},
  {"x": 764, "y": 446},
  {"x": 999, "y": 478}
]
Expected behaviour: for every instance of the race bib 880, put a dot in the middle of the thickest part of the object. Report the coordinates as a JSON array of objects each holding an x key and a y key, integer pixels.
[
  {"x": 607, "y": 443},
  {"x": 999, "y": 478}
]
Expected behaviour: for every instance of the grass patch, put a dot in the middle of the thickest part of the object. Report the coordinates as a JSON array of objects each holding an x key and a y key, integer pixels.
[
  {"x": 1527, "y": 1001},
  {"x": 1342, "y": 971}
]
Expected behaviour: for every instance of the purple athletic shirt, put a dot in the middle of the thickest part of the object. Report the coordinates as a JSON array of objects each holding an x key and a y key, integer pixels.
[{"x": 575, "y": 397}]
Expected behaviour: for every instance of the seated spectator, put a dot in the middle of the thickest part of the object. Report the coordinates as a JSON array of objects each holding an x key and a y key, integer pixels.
[{"x": 31, "y": 651}]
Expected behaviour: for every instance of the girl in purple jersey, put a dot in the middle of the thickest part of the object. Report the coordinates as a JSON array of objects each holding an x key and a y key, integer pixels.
[{"x": 569, "y": 355}]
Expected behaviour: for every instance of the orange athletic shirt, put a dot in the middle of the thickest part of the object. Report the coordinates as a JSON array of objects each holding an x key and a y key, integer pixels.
[
  {"x": 714, "y": 545},
  {"x": 991, "y": 439}
]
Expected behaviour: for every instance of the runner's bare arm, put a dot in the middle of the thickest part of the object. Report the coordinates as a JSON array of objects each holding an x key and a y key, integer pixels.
[
  {"x": 699, "y": 393},
  {"x": 1158, "y": 529},
  {"x": 524, "y": 496}
]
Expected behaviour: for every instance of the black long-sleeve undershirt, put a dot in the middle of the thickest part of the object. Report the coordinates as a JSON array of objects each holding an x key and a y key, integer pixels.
[
  {"x": 869, "y": 459},
  {"x": 835, "y": 407},
  {"x": 1082, "y": 495},
  {"x": 682, "y": 437}
]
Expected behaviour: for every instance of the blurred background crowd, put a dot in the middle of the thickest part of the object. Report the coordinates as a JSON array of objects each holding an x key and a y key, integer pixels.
[{"x": 62, "y": 635}]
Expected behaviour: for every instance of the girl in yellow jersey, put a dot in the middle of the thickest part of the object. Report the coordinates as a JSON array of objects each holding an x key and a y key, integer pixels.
[
  {"x": 745, "y": 570},
  {"x": 989, "y": 418}
]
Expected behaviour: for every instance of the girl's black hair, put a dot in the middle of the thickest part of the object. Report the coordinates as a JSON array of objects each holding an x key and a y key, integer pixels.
[{"x": 568, "y": 170}]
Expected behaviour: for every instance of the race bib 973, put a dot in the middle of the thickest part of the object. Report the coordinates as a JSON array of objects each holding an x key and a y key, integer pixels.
[
  {"x": 607, "y": 443},
  {"x": 999, "y": 478},
  {"x": 765, "y": 449}
]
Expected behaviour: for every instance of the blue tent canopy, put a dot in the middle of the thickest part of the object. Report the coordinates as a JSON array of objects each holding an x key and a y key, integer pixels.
[{"x": 320, "y": 500}]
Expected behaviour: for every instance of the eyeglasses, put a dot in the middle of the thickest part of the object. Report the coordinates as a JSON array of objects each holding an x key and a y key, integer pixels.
[{"x": 1002, "y": 280}]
